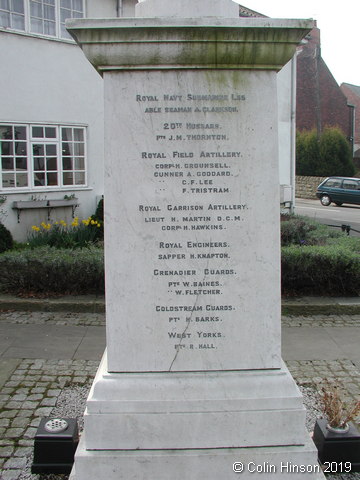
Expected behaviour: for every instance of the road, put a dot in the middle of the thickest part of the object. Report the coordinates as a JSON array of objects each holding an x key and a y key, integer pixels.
[{"x": 331, "y": 215}]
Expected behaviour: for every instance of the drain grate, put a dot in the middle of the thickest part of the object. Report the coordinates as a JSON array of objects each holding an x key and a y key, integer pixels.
[{"x": 56, "y": 425}]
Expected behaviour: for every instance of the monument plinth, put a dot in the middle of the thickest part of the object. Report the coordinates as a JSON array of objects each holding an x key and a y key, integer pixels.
[{"x": 192, "y": 380}]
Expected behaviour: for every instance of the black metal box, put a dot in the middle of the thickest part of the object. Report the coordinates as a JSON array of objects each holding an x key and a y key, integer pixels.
[{"x": 55, "y": 444}]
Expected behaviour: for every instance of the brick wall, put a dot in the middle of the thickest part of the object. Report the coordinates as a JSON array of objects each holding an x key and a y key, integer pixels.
[
  {"x": 320, "y": 103},
  {"x": 305, "y": 187}
]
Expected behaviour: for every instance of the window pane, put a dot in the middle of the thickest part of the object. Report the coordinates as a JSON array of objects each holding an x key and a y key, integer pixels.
[
  {"x": 64, "y": 14},
  {"x": 349, "y": 184},
  {"x": 66, "y": 148},
  {"x": 7, "y": 148},
  {"x": 52, "y": 179},
  {"x": 78, "y": 149},
  {"x": 51, "y": 150},
  {"x": 18, "y": 22},
  {"x": 18, "y": 6},
  {"x": 4, "y": 4},
  {"x": 78, "y": 134},
  {"x": 36, "y": 9},
  {"x": 67, "y": 164},
  {"x": 66, "y": 133},
  {"x": 20, "y": 148},
  {"x": 79, "y": 178},
  {"x": 38, "y": 149},
  {"x": 4, "y": 19},
  {"x": 38, "y": 132},
  {"x": 78, "y": 5},
  {"x": 49, "y": 13},
  {"x": 39, "y": 163},
  {"x": 65, "y": 3},
  {"x": 36, "y": 26},
  {"x": 51, "y": 163},
  {"x": 79, "y": 164},
  {"x": 78, "y": 15},
  {"x": 7, "y": 163},
  {"x": 39, "y": 179},
  {"x": 21, "y": 163},
  {"x": 49, "y": 28},
  {"x": 6, "y": 132},
  {"x": 68, "y": 178},
  {"x": 50, "y": 2},
  {"x": 20, "y": 133},
  {"x": 8, "y": 180},
  {"x": 21, "y": 180},
  {"x": 50, "y": 132}
]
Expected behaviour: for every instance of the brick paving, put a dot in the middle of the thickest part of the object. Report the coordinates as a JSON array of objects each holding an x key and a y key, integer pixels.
[
  {"x": 34, "y": 389},
  {"x": 32, "y": 392},
  {"x": 321, "y": 321}
]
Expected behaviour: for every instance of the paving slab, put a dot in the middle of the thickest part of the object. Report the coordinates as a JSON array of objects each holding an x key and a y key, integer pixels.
[
  {"x": 309, "y": 343},
  {"x": 92, "y": 345},
  {"x": 40, "y": 341}
]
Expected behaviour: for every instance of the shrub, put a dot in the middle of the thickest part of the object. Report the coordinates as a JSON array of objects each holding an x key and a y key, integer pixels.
[
  {"x": 307, "y": 153},
  {"x": 323, "y": 155},
  {"x": 335, "y": 154},
  {"x": 47, "y": 270},
  {"x": 99, "y": 213},
  {"x": 6, "y": 239},
  {"x": 98, "y": 217},
  {"x": 298, "y": 230}
]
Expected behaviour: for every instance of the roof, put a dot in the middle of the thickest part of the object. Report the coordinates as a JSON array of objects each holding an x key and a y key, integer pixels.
[
  {"x": 247, "y": 12},
  {"x": 354, "y": 88}
]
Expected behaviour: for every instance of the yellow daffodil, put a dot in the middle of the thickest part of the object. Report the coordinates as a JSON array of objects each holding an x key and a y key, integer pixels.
[{"x": 35, "y": 228}]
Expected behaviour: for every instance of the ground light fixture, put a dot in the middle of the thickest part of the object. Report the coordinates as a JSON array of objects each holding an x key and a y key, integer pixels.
[{"x": 55, "y": 444}]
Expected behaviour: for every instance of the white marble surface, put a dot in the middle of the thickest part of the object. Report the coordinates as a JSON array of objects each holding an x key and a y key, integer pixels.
[
  {"x": 193, "y": 410},
  {"x": 192, "y": 237},
  {"x": 213, "y": 464},
  {"x": 188, "y": 43}
]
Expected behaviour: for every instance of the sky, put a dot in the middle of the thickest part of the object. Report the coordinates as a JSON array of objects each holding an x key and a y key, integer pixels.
[{"x": 339, "y": 30}]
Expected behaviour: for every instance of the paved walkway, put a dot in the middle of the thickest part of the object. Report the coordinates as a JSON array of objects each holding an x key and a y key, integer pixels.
[{"x": 48, "y": 361}]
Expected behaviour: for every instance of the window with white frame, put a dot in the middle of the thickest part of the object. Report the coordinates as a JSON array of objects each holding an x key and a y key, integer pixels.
[
  {"x": 12, "y": 14},
  {"x": 42, "y": 156},
  {"x": 42, "y": 17}
]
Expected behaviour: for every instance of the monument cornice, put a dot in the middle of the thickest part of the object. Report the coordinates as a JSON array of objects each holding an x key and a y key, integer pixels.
[{"x": 176, "y": 43}]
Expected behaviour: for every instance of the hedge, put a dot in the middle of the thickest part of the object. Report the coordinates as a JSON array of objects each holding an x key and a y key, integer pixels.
[
  {"x": 47, "y": 270},
  {"x": 333, "y": 269}
]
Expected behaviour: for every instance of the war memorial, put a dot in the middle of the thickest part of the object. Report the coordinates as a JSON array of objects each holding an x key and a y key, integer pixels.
[{"x": 192, "y": 384}]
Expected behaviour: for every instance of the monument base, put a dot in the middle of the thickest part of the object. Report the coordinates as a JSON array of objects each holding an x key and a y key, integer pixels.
[
  {"x": 195, "y": 425},
  {"x": 285, "y": 463}
]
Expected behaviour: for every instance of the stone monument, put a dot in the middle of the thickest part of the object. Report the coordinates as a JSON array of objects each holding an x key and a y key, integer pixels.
[{"x": 192, "y": 384}]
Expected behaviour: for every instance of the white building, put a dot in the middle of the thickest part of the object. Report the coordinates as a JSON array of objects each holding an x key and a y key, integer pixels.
[{"x": 51, "y": 116}]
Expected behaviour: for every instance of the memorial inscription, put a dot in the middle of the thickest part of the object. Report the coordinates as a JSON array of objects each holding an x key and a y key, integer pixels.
[{"x": 195, "y": 214}]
